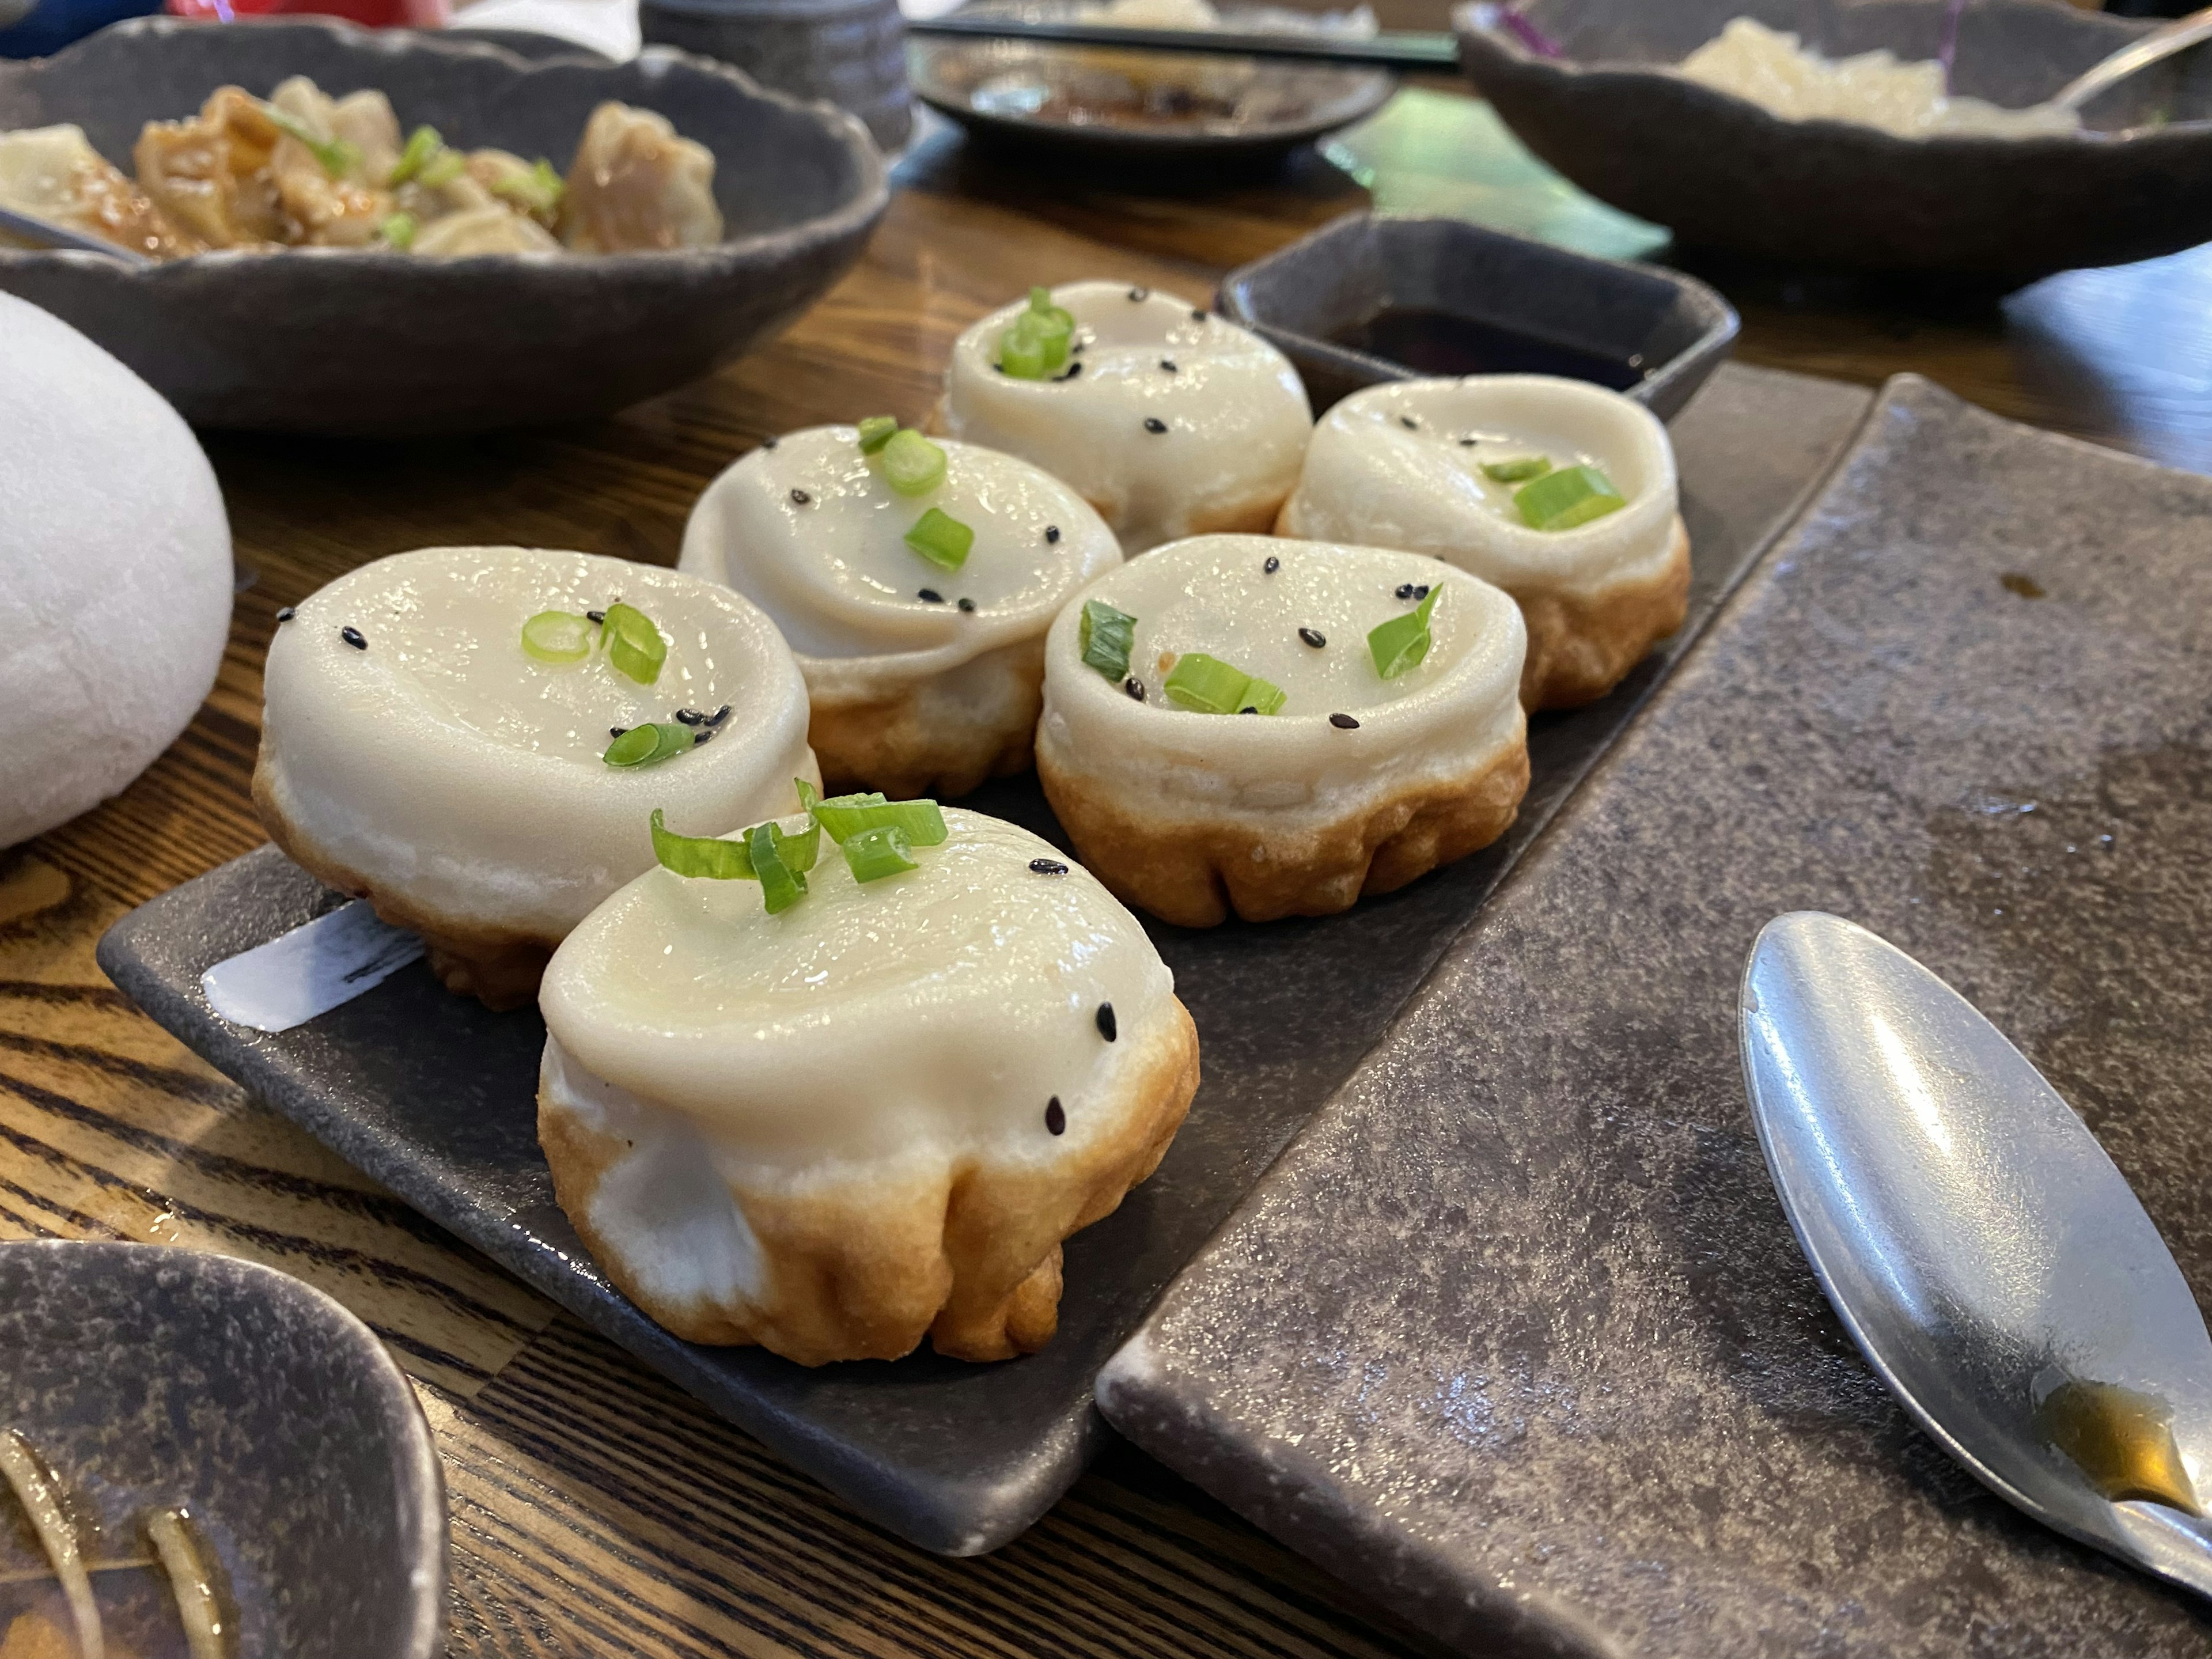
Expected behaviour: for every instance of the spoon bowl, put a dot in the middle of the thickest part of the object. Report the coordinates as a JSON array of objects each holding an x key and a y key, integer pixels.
[{"x": 1989, "y": 1259}]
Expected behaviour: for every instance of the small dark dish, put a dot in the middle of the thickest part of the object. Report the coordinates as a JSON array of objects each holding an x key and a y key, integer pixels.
[
  {"x": 380, "y": 343},
  {"x": 1368, "y": 300},
  {"x": 150, "y": 1377},
  {"x": 1075, "y": 100},
  {"x": 1725, "y": 174}
]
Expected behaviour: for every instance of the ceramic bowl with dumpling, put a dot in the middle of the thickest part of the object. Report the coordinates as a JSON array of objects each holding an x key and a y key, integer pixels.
[{"x": 476, "y": 289}]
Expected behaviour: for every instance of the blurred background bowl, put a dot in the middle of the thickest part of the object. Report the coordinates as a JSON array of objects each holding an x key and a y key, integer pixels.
[
  {"x": 1725, "y": 174},
  {"x": 375, "y": 343}
]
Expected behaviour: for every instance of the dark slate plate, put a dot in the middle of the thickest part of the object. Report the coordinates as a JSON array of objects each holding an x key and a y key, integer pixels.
[
  {"x": 1516, "y": 1336},
  {"x": 150, "y": 1377},
  {"x": 435, "y": 1098}
]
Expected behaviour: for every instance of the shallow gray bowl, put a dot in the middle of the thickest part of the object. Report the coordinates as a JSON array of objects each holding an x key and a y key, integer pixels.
[
  {"x": 378, "y": 343},
  {"x": 151, "y": 1378},
  {"x": 1724, "y": 173},
  {"x": 1562, "y": 305},
  {"x": 986, "y": 85}
]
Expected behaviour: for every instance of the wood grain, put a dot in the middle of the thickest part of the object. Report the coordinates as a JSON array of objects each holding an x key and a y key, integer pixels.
[{"x": 596, "y": 1510}]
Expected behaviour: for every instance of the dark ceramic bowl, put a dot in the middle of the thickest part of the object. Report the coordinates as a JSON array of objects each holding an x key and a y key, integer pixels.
[
  {"x": 1724, "y": 173},
  {"x": 1063, "y": 100},
  {"x": 1534, "y": 308},
  {"x": 151, "y": 1377},
  {"x": 379, "y": 342}
]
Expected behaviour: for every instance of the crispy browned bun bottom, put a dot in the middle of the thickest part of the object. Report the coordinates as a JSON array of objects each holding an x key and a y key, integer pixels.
[
  {"x": 1580, "y": 648},
  {"x": 972, "y": 1262},
  {"x": 499, "y": 967},
  {"x": 1192, "y": 870},
  {"x": 941, "y": 737}
]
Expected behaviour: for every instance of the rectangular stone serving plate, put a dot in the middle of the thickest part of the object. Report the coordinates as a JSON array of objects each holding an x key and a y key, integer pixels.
[
  {"x": 1553, "y": 1376},
  {"x": 436, "y": 1098}
]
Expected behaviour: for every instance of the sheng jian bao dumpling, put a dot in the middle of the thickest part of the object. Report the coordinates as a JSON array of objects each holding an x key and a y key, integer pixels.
[
  {"x": 1169, "y": 419},
  {"x": 474, "y": 738}
]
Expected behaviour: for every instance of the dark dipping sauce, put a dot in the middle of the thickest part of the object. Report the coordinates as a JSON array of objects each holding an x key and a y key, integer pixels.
[{"x": 1445, "y": 343}]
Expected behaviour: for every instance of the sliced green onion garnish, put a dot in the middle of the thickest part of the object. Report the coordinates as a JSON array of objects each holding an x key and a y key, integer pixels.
[
  {"x": 1207, "y": 685},
  {"x": 558, "y": 636},
  {"x": 423, "y": 146},
  {"x": 539, "y": 190},
  {"x": 1039, "y": 340},
  {"x": 781, "y": 886},
  {"x": 649, "y": 745},
  {"x": 808, "y": 795},
  {"x": 1519, "y": 470},
  {"x": 634, "y": 644},
  {"x": 1570, "y": 496},
  {"x": 912, "y": 465},
  {"x": 877, "y": 431},
  {"x": 443, "y": 168},
  {"x": 398, "y": 230},
  {"x": 845, "y": 816},
  {"x": 335, "y": 156},
  {"x": 941, "y": 538},
  {"x": 1104, "y": 636},
  {"x": 1403, "y": 641},
  {"x": 702, "y": 856},
  {"x": 877, "y": 852}
]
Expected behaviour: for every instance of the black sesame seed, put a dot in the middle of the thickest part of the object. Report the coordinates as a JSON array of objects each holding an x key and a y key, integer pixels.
[
  {"x": 1422, "y": 592},
  {"x": 595, "y": 615},
  {"x": 1168, "y": 363},
  {"x": 966, "y": 603},
  {"x": 689, "y": 717},
  {"x": 998, "y": 368},
  {"x": 1248, "y": 711},
  {"x": 768, "y": 443},
  {"x": 1154, "y": 423},
  {"x": 1052, "y": 532},
  {"x": 1054, "y": 1119},
  {"x": 1076, "y": 350},
  {"x": 1107, "y": 1029},
  {"x": 799, "y": 498},
  {"x": 702, "y": 735},
  {"x": 286, "y": 614},
  {"x": 1405, "y": 590},
  {"x": 930, "y": 596},
  {"x": 1049, "y": 866},
  {"x": 1313, "y": 637},
  {"x": 1468, "y": 443},
  {"x": 1409, "y": 423},
  {"x": 617, "y": 731},
  {"x": 718, "y": 716},
  {"x": 352, "y": 636},
  {"x": 1140, "y": 293},
  {"x": 1198, "y": 316},
  {"x": 1273, "y": 565},
  {"x": 1344, "y": 722},
  {"x": 1134, "y": 687}
]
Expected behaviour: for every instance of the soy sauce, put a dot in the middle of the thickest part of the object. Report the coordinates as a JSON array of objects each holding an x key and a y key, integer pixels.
[{"x": 1445, "y": 343}]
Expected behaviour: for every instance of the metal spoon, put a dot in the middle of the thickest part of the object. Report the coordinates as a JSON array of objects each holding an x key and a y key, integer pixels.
[
  {"x": 44, "y": 233},
  {"x": 1989, "y": 1260},
  {"x": 2154, "y": 48}
]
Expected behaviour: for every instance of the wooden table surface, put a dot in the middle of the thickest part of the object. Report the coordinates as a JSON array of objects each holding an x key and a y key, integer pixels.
[{"x": 595, "y": 1509}]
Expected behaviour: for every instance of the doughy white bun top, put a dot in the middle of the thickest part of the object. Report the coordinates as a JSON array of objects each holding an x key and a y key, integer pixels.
[
  {"x": 115, "y": 561},
  {"x": 933, "y": 1012},
  {"x": 1215, "y": 594},
  {"x": 1371, "y": 477},
  {"x": 809, "y": 531},
  {"x": 1234, "y": 410},
  {"x": 445, "y": 763}
]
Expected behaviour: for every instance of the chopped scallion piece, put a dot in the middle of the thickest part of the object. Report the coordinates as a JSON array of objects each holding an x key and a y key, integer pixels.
[
  {"x": 335, "y": 155},
  {"x": 634, "y": 644},
  {"x": 1403, "y": 641},
  {"x": 558, "y": 636},
  {"x": 424, "y": 147},
  {"x": 845, "y": 816},
  {"x": 1207, "y": 685},
  {"x": 443, "y": 168},
  {"x": 1519, "y": 470},
  {"x": 781, "y": 886},
  {"x": 1572, "y": 495},
  {"x": 941, "y": 538},
  {"x": 537, "y": 192},
  {"x": 808, "y": 795},
  {"x": 877, "y": 852},
  {"x": 912, "y": 465},
  {"x": 702, "y": 856},
  {"x": 398, "y": 230},
  {"x": 1039, "y": 341},
  {"x": 1105, "y": 637},
  {"x": 877, "y": 431},
  {"x": 649, "y": 745}
]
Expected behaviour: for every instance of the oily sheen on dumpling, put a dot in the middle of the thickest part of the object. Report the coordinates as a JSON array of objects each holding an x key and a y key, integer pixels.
[
  {"x": 868, "y": 1118},
  {"x": 1168, "y": 419},
  {"x": 1357, "y": 784},
  {"x": 1402, "y": 465},
  {"x": 923, "y": 680},
  {"x": 414, "y": 753}
]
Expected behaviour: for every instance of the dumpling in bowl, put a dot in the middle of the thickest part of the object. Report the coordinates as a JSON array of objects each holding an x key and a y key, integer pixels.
[
  {"x": 56, "y": 173},
  {"x": 492, "y": 229},
  {"x": 636, "y": 186},
  {"x": 324, "y": 161},
  {"x": 210, "y": 173}
]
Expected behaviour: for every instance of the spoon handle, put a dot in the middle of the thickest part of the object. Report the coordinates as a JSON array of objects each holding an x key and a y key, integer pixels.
[
  {"x": 44, "y": 233},
  {"x": 2154, "y": 48}
]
